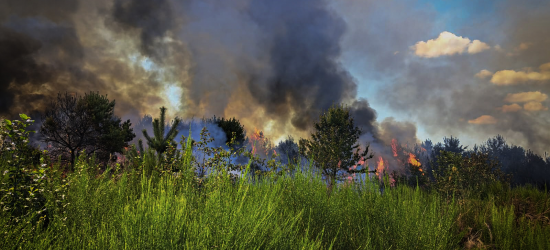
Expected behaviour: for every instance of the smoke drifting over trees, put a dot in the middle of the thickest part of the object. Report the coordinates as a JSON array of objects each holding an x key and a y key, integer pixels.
[
  {"x": 274, "y": 65},
  {"x": 277, "y": 58}
]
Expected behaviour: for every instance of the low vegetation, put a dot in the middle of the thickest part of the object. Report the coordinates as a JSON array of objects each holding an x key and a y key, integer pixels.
[{"x": 161, "y": 198}]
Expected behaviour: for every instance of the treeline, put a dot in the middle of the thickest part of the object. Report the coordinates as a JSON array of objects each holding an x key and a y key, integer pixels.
[
  {"x": 520, "y": 166},
  {"x": 74, "y": 124},
  {"x": 34, "y": 183}
]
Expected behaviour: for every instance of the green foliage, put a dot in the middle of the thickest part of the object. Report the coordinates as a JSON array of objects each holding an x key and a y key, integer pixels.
[
  {"x": 233, "y": 129},
  {"x": 332, "y": 144},
  {"x": 158, "y": 206},
  {"x": 113, "y": 135},
  {"x": 461, "y": 175},
  {"x": 75, "y": 123},
  {"x": 30, "y": 192},
  {"x": 160, "y": 142}
]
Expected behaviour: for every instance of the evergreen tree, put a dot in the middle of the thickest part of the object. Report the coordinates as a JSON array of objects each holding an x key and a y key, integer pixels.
[
  {"x": 161, "y": 142},
  {"x": 232, "y": 127},
  {"x": 332, "y": 145}
]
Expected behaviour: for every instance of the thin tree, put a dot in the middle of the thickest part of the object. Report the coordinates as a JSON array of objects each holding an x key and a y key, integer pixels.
[
  {"x": 333, "y": 143},
  {"x": 161, "y": 142}
]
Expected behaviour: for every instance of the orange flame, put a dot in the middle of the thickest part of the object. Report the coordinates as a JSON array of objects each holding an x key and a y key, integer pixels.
[
  {"x": 413, "y": 161},
  {"x": 259, "y": 143},
  {"x": 394, "y": 147},
  {"x": 380, "y": 167},
  {"x": 361, "y": 162}
]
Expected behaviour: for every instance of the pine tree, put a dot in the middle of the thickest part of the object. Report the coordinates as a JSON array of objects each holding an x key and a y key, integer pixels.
[
  {"x": 161, "y": 142},
  {"x": 332, "y": 145}
]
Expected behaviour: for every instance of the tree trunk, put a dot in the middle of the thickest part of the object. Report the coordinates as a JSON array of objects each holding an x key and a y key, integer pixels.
[
  {"x": 72, "y": 160},
  {"x": 330, "y": 185}
]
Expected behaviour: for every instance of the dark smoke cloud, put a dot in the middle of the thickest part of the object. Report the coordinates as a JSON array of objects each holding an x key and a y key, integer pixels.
[
  {"x": 364, "y": 116},
  {"x": 17, "y": 65},
  {"x": 274, "y": 65},
  {"x": 151, "y": 19},
  {"x": 53, "y": 10},
  {"x": 303, "y": 47}
]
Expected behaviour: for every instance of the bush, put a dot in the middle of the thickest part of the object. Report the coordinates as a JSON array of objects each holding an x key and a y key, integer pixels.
[
  {"x": 466, "y": 175},
  {"x": 29, "y": 188}
]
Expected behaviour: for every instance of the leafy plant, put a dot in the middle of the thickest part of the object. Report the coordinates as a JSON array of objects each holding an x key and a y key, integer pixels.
[{"x": 22, "y": 184}]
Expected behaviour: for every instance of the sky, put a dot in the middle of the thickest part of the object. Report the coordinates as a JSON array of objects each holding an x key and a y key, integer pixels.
[{"x": 409, "y": 70}]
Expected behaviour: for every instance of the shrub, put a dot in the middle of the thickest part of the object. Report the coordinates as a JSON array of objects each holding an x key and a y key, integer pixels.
[
  {"x": 457, "y": 174},
  {"x": 29, "y": 186}
]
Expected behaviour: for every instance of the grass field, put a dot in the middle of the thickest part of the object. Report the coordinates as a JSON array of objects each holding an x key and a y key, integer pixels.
[{"x": 131, "y": 211}]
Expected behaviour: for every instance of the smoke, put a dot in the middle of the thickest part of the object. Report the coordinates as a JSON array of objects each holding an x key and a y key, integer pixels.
[
  {"x": 442, "y": 94},
  {"x": 152, "y": 20},
  {"x": 303, "y": 50},
  {"x": 17, "y": 67},
  {"x": 274, "y": 65}
]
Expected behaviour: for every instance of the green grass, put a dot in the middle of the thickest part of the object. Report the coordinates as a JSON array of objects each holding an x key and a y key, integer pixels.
[{"x": 131, "y": 211}]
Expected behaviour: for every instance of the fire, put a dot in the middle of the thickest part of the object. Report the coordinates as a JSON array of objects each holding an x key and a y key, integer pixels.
[
  {"x": 255, "y": 138},
  {"x": 380, "y": 168},
  {"x": 413, "y": 161},
  {"x": 258, "y": 135},
  {"x": 394, "y": 147},
  {"x": 260, "y": 144},
  {"x": 361, "y": 162}
]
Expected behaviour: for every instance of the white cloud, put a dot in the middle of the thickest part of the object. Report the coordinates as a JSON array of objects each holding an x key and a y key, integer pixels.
[
  {"x": 477, "y": 46},
  {"x": 510, "y": 108},
  {"x": 511, "y": 77},
  {"x": 533, "y": 96},
  {"x": 484, "y": 119},
  {"x": 483, "y": 74},
  {"x": 534, "y": 106},
  {"x": 448, "y": 44}
]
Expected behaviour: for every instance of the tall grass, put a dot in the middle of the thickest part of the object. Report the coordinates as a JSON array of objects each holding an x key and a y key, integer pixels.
[
  {"x": 131, "y": 211},
  {"x": 140, "y": 209}
]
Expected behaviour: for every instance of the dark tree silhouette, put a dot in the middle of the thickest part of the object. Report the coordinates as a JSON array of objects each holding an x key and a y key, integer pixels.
[
  {"x": 230, "y": 127},
  {"x": 75, "y": 123},
  {"x": 161, "y": 142}
]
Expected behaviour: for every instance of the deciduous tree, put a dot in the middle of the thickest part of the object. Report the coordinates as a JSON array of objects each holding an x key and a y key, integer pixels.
[{"x": 74, "y": 123}]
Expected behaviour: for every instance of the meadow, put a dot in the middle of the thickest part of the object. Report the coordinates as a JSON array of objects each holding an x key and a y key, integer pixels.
[
  {"x": 130, "y": 209},
  {"x": 151, "y": 202}
]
